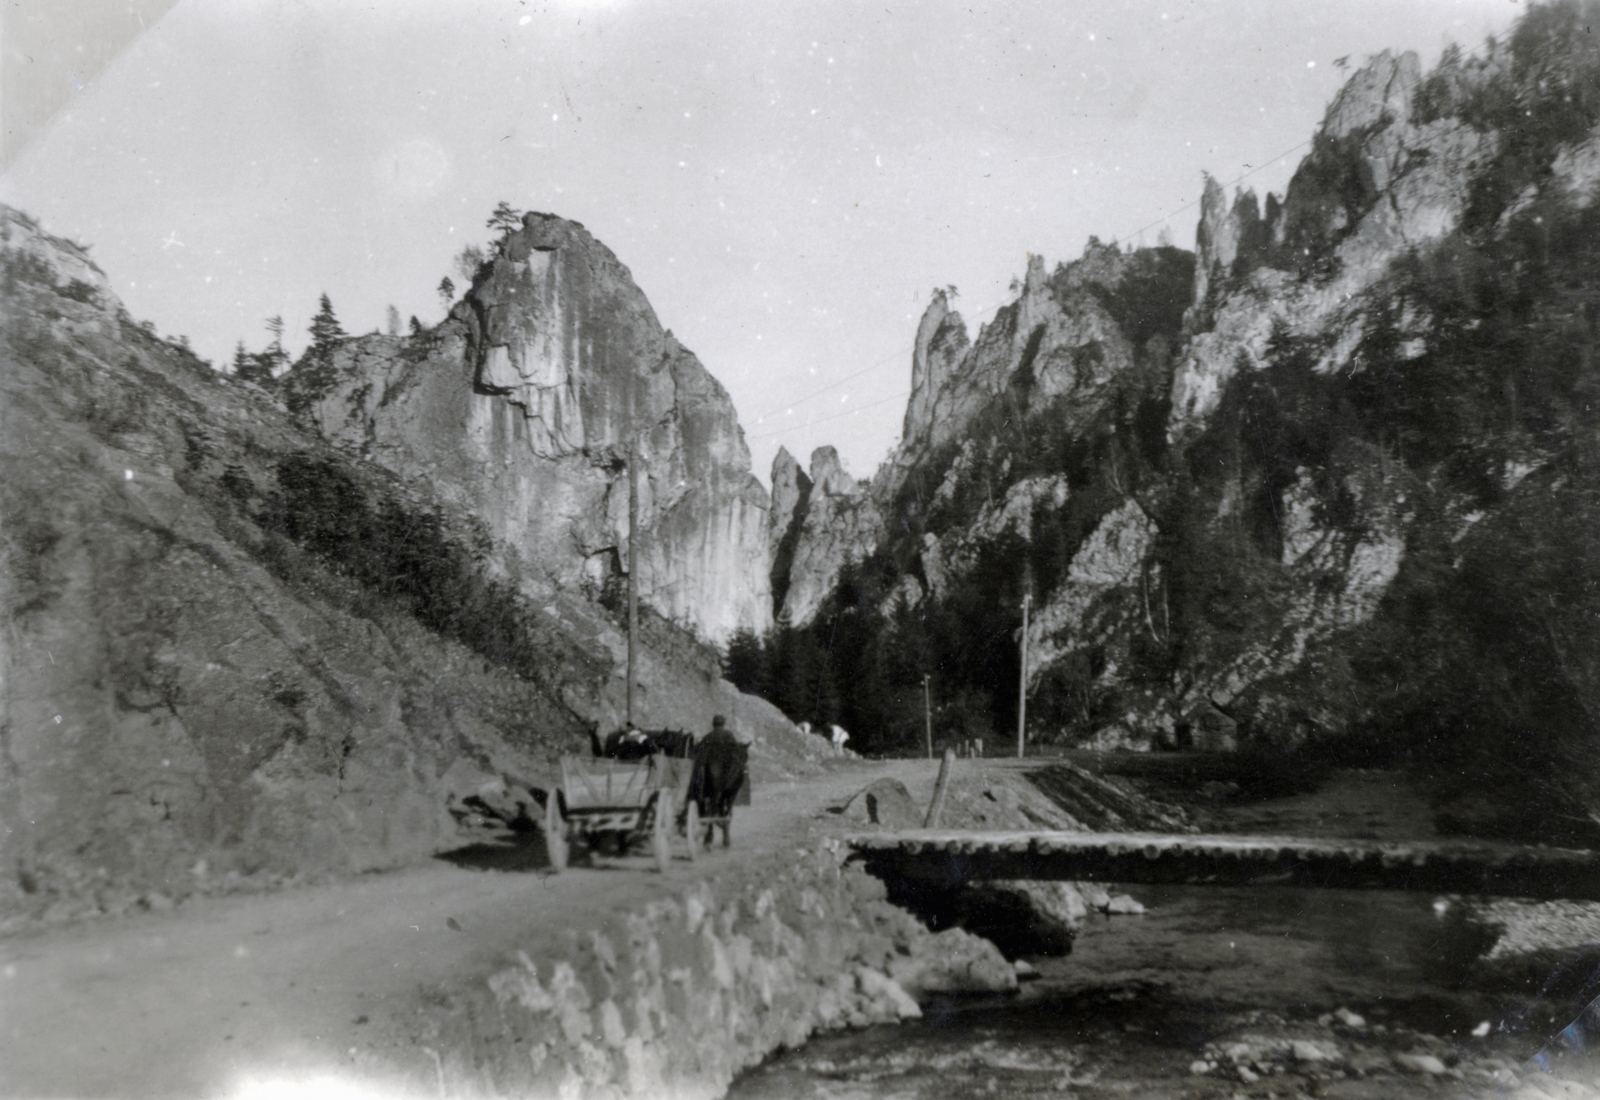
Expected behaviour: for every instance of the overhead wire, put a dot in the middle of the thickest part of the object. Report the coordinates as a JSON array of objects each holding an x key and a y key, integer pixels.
[
  {"x": 789, "y": 406},
  {"x": 835, "y": 416},
  {"x": 892, "y": 356}
]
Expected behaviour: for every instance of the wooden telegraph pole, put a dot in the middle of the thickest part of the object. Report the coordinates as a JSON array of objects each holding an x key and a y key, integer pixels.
[
  {"x": 1022, "y": 688},
  {"x": 633, "y": 572},
  {"x": 927, "y": 714}
]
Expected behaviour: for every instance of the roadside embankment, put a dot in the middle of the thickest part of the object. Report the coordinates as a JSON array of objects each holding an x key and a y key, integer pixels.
[{"x": 676, "y": 996}]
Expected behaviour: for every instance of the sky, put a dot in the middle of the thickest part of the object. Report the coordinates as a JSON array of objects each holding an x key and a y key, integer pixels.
[{"x": 787, "y": 183}]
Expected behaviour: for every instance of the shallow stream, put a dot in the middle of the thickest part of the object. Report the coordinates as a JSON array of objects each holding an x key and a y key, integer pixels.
[{"x": 1216, "y": 992}]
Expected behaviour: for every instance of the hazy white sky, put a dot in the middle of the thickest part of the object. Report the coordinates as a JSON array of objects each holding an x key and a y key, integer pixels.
[{"x": 786, "y": 181}]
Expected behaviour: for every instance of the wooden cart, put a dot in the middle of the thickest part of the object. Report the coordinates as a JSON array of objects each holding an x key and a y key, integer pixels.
[{"x": 629, "y": 799}]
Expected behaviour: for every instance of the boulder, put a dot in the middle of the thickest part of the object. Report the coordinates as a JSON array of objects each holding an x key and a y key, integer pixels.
[
  {"x": 1021, "y": 917},
  {"x": 954, "y": 962}
]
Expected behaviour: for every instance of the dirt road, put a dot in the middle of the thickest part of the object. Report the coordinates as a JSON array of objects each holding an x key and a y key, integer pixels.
[{"x": 240, "y": 996}]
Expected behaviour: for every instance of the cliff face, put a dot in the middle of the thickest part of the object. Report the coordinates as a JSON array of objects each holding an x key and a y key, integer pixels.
[
  {"x": 1058, "y": 356},
  {"x": 1378, "y": 183},
  {"x": 833, "y": 521},
  {"x": 236, "y": 655},
  {"x": 1271, "y": 488},
  {"x": 524, "y": 407}
]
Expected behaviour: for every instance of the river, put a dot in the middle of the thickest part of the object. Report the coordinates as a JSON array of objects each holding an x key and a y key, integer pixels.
[{"x": 1216, "y": 992}]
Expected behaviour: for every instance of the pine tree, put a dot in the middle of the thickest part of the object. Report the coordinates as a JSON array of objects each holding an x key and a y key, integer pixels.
[
  {"x": 468, "y": 261},
  {"x": 325, "y": 328},
  {"x": 447, "y": 291},
  {"x": 505, "y": 219},
  {"x": 240, "y": 358}
]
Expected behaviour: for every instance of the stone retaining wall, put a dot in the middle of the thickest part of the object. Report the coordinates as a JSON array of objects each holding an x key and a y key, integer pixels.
[{"x": 676, "y": 997}]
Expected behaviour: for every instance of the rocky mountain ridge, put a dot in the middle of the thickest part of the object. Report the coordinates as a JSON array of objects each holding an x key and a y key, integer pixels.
[{"x": 1263, "y": 493}]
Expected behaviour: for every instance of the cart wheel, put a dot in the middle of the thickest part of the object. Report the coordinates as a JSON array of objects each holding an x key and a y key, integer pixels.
[
  {"x": 660, "y": 834},
  {"x": 691, "y": 829},
  {"x": 555, "y": 833}
]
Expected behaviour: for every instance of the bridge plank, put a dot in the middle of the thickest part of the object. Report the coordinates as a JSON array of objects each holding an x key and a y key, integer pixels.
[{"x": 947, "y": 859}]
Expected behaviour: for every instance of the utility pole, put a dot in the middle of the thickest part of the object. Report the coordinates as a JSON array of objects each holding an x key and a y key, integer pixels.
[
  {"x": 633, "y": 571},
  {"x": 1022, "y": 688},
  {"x": 931, "y": 821},
  {"x": 927, "y": 713}
]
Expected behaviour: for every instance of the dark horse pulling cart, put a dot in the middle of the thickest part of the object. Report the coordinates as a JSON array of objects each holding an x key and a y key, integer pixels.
[{"x": 659, "y": 796}]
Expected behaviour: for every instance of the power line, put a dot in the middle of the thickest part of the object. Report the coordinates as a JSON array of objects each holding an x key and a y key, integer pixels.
[
  {"x": 1472, "y": 53},
  {"x": 835, "y": 416},
  {"x": 892, "y": 356},
  {"x": 985, "y": 310},
  {"x": 1231, "y": 183},
  {"x": 868, "y": 369}
]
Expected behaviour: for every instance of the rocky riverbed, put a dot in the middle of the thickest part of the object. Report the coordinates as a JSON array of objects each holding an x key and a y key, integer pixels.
[{"x": 1213, "y": 993}]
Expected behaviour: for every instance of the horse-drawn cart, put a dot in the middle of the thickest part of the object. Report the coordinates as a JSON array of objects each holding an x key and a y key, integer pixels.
[{"x": 629, "y": 800}]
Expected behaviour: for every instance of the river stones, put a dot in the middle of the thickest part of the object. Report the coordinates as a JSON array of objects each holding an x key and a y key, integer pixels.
[
  {"x": 1123, "y": 905},
  {"x": 1420, "y": 1063}
]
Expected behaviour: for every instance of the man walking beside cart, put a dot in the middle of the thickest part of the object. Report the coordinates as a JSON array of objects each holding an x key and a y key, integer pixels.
[
  {"x": 630, "y": 792},
  {"x": 721, "y": 763}
]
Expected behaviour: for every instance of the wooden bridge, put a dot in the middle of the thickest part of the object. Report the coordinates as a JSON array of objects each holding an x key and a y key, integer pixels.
[{"x": 936, "y": 860}]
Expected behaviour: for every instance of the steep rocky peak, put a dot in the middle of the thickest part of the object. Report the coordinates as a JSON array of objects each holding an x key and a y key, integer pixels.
[
  {"x": 1228, "y": 238},
  {"x": 940, "y": 345},
  {"x": 1378, "y": 93},
  {"x": 558, "y": 327},
  {"x": 786, "y": 472},
  {"x": 1102, "y": 264},
  {"x": 67, "y": 263},
  {"x": 823, "y": 522},
  {"x": 828, "y": 474},
  {"x": 1381, "y": 180},
  {"x": 1035, "y": 297},
  {"x": 530, "y": 403},
  {"x": 790, "y": 488},
  {"x": 1352, "y": 161}
]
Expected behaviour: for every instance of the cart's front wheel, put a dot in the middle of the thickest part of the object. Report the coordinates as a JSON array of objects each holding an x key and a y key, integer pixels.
[
  {"x": 691, "y": 829},
  {"x": 555, "y": 833},
  {"x": 660, "y": 834}
]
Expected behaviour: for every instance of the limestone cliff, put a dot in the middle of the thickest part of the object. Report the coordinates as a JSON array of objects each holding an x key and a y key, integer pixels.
[
  {"x": 235, "y": 655},
  {"x": 833, "y": 522},
  {"x": 1274, "y": 489},
  {"x": 1378, "y": 183},
  {"x": 524, "y": 407}
]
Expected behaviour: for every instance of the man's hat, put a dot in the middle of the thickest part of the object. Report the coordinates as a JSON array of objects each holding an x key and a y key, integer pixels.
[{"x": 719, "y": 720}]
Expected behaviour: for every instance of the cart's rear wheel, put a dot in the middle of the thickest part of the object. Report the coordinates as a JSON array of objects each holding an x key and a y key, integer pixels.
[
  {"x": 691, "y": 829},
  {"x": 555, "y": 833},
  {"x": 660, "y": 834}
]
